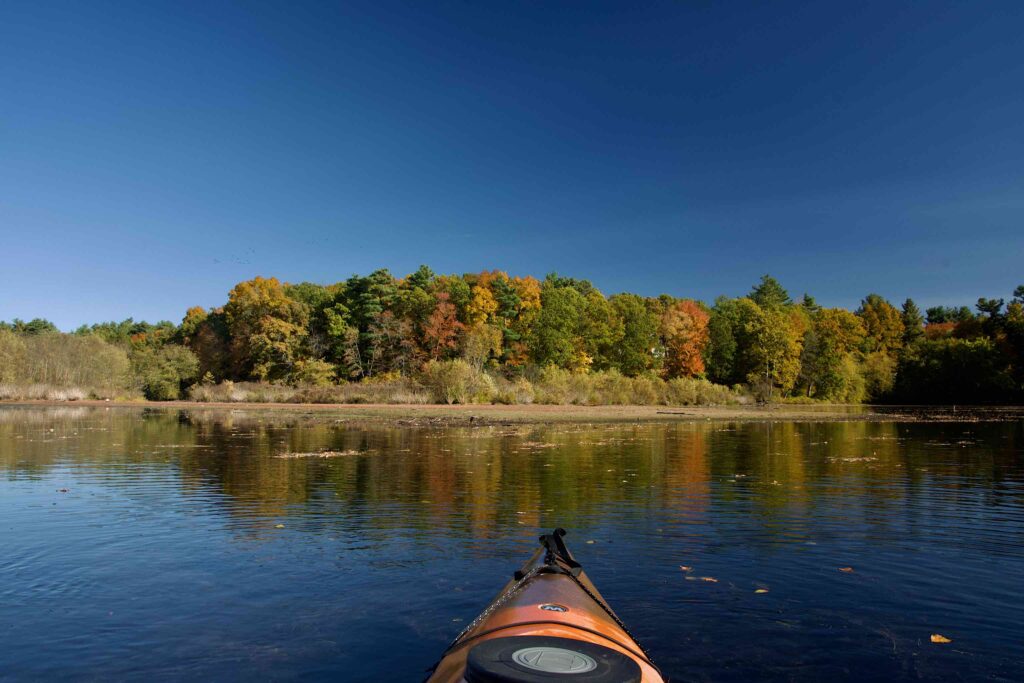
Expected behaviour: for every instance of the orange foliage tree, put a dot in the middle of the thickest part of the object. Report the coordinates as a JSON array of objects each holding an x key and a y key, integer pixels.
[
  {"x": 441, "y": 331},
  {"x": 684, "y": 328}
]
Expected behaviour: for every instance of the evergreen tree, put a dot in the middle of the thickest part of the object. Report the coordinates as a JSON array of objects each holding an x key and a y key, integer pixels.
[
  {"x": 769, "y": 293},
  {"x": 913, "y": 323}
]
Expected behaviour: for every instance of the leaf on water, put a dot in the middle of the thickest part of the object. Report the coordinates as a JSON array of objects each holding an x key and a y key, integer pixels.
[
  {"x": 846, "y": 570},
  {"x": 279, "y": 526},
  {"x": 761, "y": 590},
  {"x": 591, "y": 542},
  {"x": 685, "y": 568},
  {"x": 936, "y": 638},
  {"x": 709, "y": 579}
]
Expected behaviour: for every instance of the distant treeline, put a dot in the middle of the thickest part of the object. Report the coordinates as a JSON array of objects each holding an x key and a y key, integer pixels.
[{"x": 482, "y": 332}]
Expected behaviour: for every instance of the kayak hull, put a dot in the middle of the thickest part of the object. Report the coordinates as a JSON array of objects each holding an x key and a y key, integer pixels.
[{"x": 545, "y": 603}]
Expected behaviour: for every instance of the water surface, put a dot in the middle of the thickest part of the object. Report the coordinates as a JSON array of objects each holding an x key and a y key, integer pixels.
[{"x": 165, "y": 544}]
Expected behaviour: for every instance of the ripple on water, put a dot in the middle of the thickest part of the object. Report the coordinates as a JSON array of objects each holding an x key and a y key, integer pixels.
[{"x": 185, "y": 547}]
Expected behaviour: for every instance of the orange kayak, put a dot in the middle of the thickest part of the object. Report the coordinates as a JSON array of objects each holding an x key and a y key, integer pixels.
[{"x": 547, "y": 623}]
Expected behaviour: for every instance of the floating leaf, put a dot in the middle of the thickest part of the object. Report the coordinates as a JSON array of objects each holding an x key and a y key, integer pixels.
[
  {"x": 847, "y": 570},
  {"x": 761, "y": 590},
  {"x": 685, "y": 568},
  {"x": 709, "y": 579},
  {"x": 936, "y": 638},
  {"x": 279, "y": 526}
]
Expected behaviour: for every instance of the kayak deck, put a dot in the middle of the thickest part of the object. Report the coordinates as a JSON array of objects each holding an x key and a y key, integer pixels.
[{"x": 550, "y": 596}]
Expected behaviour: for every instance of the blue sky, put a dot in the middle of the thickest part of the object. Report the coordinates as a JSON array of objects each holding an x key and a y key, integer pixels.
[{"x": 153, "y": 154}]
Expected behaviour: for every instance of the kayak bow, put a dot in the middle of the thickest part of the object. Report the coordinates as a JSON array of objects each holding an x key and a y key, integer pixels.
[{"x": 547, "y": 623}]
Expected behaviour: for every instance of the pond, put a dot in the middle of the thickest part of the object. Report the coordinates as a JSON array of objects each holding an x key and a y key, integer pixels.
[{"x": 169, "y": 544}]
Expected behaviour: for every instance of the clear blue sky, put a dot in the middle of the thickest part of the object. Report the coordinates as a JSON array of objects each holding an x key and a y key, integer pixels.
[{"x": 153, "y": 154}]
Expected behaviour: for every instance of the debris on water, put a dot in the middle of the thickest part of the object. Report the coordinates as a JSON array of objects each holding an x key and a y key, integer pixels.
[
  {"x": 279, "y": 526},
  {"x": 761, "y": 590},
  {"x": 591, "y": 542},
  {"x": 62, "y": 490},
  {"x": 846, "y": 570},
  {"x": 937, "y": 638},
  {"x": 685, "y": 568},
  {"x": 707, "y": 579},
  {"x": 317, "y": 454}
]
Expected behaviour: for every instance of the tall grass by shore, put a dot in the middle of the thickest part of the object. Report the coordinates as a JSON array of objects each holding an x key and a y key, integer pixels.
[
  {"x": 62, "y": 368},
  {"x": 457, "y": 382}
]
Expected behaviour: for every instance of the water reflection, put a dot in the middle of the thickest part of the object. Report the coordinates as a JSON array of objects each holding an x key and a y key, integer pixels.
[{"x": 310, "y": 562}]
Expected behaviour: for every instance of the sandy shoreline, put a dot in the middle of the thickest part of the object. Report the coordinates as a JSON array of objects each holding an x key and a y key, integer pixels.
[{"x": 484, "y": 414}]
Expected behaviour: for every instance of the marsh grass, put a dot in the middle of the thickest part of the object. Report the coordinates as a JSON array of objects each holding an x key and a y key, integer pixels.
[{"x": 457, "y": 382}]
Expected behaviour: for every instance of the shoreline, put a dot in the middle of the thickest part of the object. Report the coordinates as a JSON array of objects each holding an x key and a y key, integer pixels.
[{"x": 490, "y": 414}]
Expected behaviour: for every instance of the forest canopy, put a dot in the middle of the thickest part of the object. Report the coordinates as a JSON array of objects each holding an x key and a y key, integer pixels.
[{"x": 490, "y": 327}]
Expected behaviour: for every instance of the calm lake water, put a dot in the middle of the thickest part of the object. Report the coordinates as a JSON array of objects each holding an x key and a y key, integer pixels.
[{"x": 148, "y": 544}]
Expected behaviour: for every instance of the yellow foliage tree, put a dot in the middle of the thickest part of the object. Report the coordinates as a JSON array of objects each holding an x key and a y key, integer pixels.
[
  {"x": 266, "y": 328},
  {"x": 481, "y": 306}
]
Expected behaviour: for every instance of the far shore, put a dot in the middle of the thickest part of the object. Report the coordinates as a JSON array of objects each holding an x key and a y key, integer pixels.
[{"x": 489, "y": 414}]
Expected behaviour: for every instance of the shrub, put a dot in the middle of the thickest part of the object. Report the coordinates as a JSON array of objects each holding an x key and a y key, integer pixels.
[
  {"x": 646, "y": 390},
  {"x": 163, "y": 374},
  {"x": 611, "y": 387},
  {"x": 315, "y": 372},
  {"x": 455, "y": 381},
  {"x": 512, "y": 392}
]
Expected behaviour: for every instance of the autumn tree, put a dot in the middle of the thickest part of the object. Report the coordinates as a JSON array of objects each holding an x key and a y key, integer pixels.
[
  {"x": 481, "y": 306},
  {"x": 883, "y": 341},
  {"x": 883, "y": 325},
  {"x": 442, "y": 329},
  {"x": 828, "y": 366},
  {"x": 458, "y": 290},
  {"x": 772, "y": 341},
  {"x": 480, "y": 344},
  {"x": 266, "y": 329},
  {"x": 684, "y": 329},
  {"x": 527, "y": 291}
]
